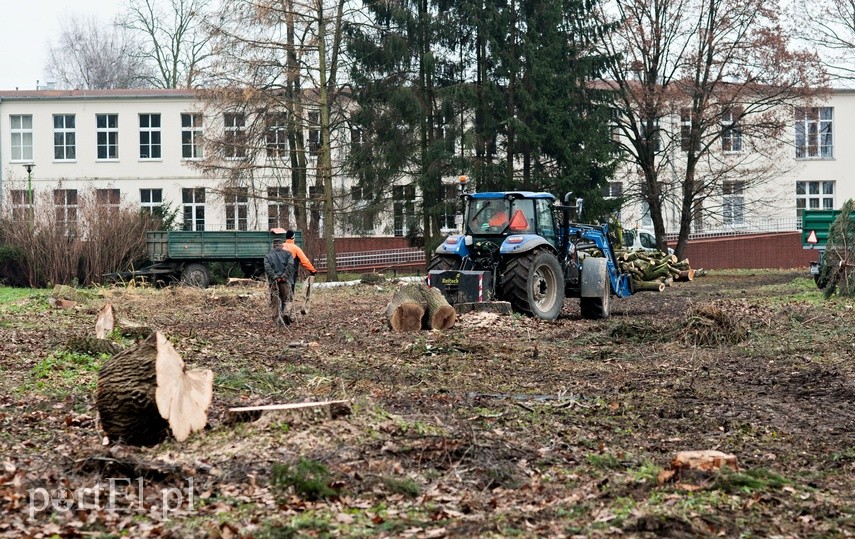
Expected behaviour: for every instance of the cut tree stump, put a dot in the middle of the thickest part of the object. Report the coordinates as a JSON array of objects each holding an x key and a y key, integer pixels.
[
  {"x": 415, "y": 307},
  {"x": 92, "y": 346},
  {"x": 145, "y": 393},
  {"x": 104, "y": 322}
]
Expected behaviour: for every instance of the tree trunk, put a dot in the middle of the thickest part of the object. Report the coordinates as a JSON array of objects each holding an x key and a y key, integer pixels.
[
  {"x": 440, "y": 314},
  {"x": 145, "y": 393}
]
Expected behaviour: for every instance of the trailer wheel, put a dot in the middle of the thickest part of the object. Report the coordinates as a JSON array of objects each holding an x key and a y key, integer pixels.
[
  {"x": 196, "y": 275},
  {"x": 534, "y": 284},
  {"x": 596, "y": 289}
]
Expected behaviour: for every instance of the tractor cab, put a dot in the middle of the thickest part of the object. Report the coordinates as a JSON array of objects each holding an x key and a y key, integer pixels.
[{"x": 513, "y": 213}]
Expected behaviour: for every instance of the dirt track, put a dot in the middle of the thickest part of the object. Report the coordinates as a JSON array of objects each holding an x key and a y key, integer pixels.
[{"x": 498, "y": 427}]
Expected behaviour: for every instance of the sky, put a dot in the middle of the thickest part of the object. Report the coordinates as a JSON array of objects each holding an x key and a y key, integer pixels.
[{"x": 26, "y": 29}]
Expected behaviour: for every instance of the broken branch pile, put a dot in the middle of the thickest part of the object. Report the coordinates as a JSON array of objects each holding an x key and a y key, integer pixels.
[{"x": 415, "y": 307}]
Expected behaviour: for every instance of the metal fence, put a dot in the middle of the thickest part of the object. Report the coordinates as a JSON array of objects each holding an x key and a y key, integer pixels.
[{"x": 368, "y": 260}]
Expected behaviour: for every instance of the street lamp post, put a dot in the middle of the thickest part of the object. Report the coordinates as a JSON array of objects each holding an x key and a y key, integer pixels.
[{"x": 30, "y": 209}]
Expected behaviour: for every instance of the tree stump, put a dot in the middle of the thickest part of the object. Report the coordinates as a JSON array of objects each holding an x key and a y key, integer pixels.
[
  {"x": 104, "y": 322},
  {"x": 145, "y": 393}
]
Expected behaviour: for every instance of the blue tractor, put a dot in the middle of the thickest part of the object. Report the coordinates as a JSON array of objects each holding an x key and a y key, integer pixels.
[{"x": 522, "y": 247}]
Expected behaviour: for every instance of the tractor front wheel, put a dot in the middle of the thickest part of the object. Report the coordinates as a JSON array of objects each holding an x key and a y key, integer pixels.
[{"x": 534, "y": 284}]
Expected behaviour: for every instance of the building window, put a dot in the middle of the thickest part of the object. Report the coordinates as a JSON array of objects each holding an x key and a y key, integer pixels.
[
  {"x": 22, "y": 137},
  {"x": 814, "y": 195},
  {"x": 235, "y": 135},
  {"x": 813, "y": 133},
  {"x": 731, "y": 131},
  {"x": 151, "y": 201},
  {"x": 191, "y": 135},
  {"x": 613, "y": 190},
  {"x": 150, "y": 136},
  {"x": 733, "y": 202},
  {"x": 403, "y": 208},
  {"x": 277, "y": 135},
  {"x": 108, "y": 198},
  {"x": 237, "y": 206},
  {"x": 64, "y": 142},
  {"x": 655, "y": 135},
  {"x": 614, "y": 124},
  {"x": 314, "y": 132},
  {"x": 22, "y": 207},
  {"x": 107, "y": 135},
  {"x": 193, "y": 201},
  {"x": 686, "y": 117},
  {"x": 357, "y": 138},
  {"x": 277, "y": 207},
  {"x": 449, "y": 206},
  {"x": 65, "y": 208}
]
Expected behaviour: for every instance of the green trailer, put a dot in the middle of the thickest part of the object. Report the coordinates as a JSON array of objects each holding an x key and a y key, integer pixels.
[
  {"x": 184, "y": 256},
  {"x": 815, "y": 227}
]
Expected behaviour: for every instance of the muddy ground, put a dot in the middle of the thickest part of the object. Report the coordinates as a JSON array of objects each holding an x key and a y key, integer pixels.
[{"x": 501, "y": 426}]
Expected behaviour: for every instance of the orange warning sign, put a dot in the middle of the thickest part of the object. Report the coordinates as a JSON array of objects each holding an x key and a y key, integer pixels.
[{"x": 812, "y": 237}]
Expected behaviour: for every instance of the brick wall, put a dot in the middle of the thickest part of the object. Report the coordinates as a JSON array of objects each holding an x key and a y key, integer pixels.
[{"x": 755, "y": 251}]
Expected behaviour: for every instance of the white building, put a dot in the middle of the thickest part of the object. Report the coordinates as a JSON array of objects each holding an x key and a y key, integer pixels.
[{"x": 139, "y": 147}]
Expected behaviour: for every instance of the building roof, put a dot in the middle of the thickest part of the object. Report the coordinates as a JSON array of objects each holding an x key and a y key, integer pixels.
[{"x": 135, "y": 93}]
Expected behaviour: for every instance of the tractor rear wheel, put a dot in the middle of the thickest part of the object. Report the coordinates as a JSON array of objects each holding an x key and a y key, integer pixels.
[
  {"x": 444, "y": 262},
  {"x": 596, "y": 289},
  {"x": 534, "y": 284}
]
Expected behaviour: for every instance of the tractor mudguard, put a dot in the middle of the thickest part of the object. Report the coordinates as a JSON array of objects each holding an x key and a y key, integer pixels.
[
  {"x": 595, "y": 278},
  {"x": 454, "y": 245},
  {"x": 521, "y": 243}
]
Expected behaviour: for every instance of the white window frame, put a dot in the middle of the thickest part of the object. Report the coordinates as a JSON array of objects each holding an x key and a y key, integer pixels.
[
  {"x": 64, "y": 137},
  {"x": 234, "y": 125},
  {"x": 814, "y": 136},
  {"x": 278, "y": 211},
  {"x": 733, "y": 202},
  {"x": 403, "y": 208},
  {"x": 147, "y": 202},
  {"x": 193, "y": 206},
  {"x": 191, "y": 136},
  {"x": 107, "y": 137},
  {"x": 21, "y": 131},
  {"x": 276, "y": 143},
  {"x": 236, "y": 202},
  {"x": 151, "y": 137},
  {"x": 110, "y": 198},
  {"x": 814, "y": 195},
  {"x": 22, "y": 206},
  {"x": 731, "y": 132},
  {"x": 65, "y": 208}
]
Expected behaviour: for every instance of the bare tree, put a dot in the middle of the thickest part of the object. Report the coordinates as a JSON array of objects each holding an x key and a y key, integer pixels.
[
  {"x": 89, "y": 54},
  {"x": 173, "y": 39},
  {"x": 725, "y": 69},
  {"x": 277, "y": 63},
  {"x": 829, "y": 25}
]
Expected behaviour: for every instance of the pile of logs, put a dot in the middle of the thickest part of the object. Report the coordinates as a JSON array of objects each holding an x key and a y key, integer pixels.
[
  {"x": 415, "y": 307},
  {"x": 653, "y": 271}
]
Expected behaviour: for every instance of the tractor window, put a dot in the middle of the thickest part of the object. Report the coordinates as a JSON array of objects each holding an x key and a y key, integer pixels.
[
  {"x": 522, "y": 216},
  {"x": 487, "y": 216},
  {"x": 546, "y": 220}
]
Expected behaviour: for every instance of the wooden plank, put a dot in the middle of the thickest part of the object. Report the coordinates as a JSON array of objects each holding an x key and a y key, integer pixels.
[{"x": 291, "y": 406}]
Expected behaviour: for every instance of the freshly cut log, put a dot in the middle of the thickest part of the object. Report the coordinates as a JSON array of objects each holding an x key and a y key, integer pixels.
[
  {"x": 685, "y": 275},
  {"x": 104, "y": 322},
  {"x": 92, "y": 346},
  {"x": 439, "y": 313},
  {"x": 145, "y": 393},
  {"x": 405, "y": 311},
  {"x": 416, "y": 306},
  {"x": 647, "y": 286}
]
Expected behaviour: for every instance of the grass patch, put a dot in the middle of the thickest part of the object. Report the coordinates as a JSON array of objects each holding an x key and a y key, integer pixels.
[
  {"x": 749, "y": 481},
  {"x": 64, "y": 372},
  {"x": 406, "y": 486},
  {"x": 309, "y": 479}
]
